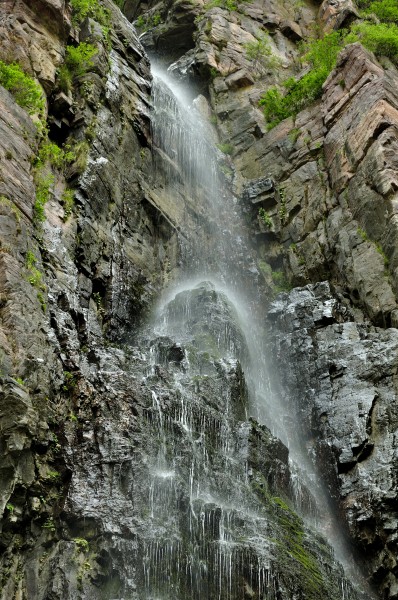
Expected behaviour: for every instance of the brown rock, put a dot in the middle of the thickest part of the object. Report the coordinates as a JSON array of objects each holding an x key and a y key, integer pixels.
[{"x": 336, "y": 14}]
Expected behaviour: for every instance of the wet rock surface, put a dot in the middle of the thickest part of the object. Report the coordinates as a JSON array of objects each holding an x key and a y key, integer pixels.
[{"x": 339, "y": 376}]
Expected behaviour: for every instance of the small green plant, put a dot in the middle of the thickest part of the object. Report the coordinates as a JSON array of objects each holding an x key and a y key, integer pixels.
[
  {"x": 70, "y": 381},
  {"x": 225, "y": 148},
  {"x": 78, "y": 59},
  {"x": 26, "y": 91},
  {"x": 260, "y": 54},
  {"x": 50, "y": 153},
  {"x": 156, "y": 19},
  {"x": 89, "y": 8},
  {"x": 53, "y": 475},
  {"x": 265, "y": 217},
  {"x": 294, "y": 134},
  {"x": 214, "y": 72},
  {"x": 49, "y": 524},
  {"x": 226, "y": 4},
  {"x": 10, "y": 507},
  {"x": 81, "y": 150},
  {"x": 35, "y": 278},
  {"x": 44, "y": 183},
  {"x": 81, "y": 544},
  {"x": 140, "y": 22},
  {"x": 72, "y": 417},
  {"x": 281, "y": 284},
  {"x": 322, "y": 56},
  {"x": 68, "y": 202},
  {"x": 20, "y": 381}
]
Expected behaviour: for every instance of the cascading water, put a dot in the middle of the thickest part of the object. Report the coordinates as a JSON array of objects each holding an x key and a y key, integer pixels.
[{"x": 213, "y": 524}]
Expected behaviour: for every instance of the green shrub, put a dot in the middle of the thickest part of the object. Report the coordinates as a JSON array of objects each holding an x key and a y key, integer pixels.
[
  {"x": 322, "y": 56},
  {"x": 89, "y": 8},
  {"x": 82, "y": 544},
  {"x": 78, "y": 59},
  {"x": 26, "y": 91},
  {"x": 385, "y": 10},
  {"x": 382, "y": 38},
  {"x": 261, "y": 55},
  {"x": 51, "y": 153},
  {"x": 156, "y": 19}
]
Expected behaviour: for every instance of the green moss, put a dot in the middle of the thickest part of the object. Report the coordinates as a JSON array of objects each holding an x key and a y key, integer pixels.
[
  {"x": 225, "y": 148},
  {"x": 294, "y": 558}
]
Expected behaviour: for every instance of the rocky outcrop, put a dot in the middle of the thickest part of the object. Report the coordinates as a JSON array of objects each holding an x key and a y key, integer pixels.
[
  {"x": 334, "y": 174},
  {"x": 339, "y": 377}
]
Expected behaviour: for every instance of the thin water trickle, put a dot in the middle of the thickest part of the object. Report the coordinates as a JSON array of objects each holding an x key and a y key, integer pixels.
[{"x": 207, "y": 533}]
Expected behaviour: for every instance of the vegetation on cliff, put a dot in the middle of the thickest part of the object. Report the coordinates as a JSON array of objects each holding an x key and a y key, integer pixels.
[
  {"x": 321, "y": 56},
  {"x": 26, "y": 91}
]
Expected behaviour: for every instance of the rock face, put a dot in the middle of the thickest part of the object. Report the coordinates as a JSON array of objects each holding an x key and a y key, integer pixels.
[
  {"x": 129, "y": 466},
  {"x": 339, "y": 377}
]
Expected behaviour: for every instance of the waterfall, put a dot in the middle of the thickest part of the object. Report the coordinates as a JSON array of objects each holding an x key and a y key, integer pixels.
[{"x": 215, "y": 495}]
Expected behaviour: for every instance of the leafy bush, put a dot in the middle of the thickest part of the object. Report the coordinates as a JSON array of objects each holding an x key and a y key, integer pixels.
[
  {"x": 89, "y": 8},
  {"x": 26, "y": 91},
  {"x": 261, "y": 55},
  {"x": 51, "y": 153},
  {"x": 382, "y": 38},
  {"x": 385, "y": 10},
  {"x": 322, "y": 56},
  {"x": 78, "y": 59}
]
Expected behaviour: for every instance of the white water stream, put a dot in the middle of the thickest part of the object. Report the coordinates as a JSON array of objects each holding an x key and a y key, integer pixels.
[{"x": 208, "y": 538}]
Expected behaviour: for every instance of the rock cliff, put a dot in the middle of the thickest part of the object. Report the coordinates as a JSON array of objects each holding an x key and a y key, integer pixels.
[{"x": 83, "y": 388}]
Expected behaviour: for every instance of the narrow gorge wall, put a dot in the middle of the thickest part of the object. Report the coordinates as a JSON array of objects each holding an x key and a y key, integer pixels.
[{"x": 77, "y": 409}]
